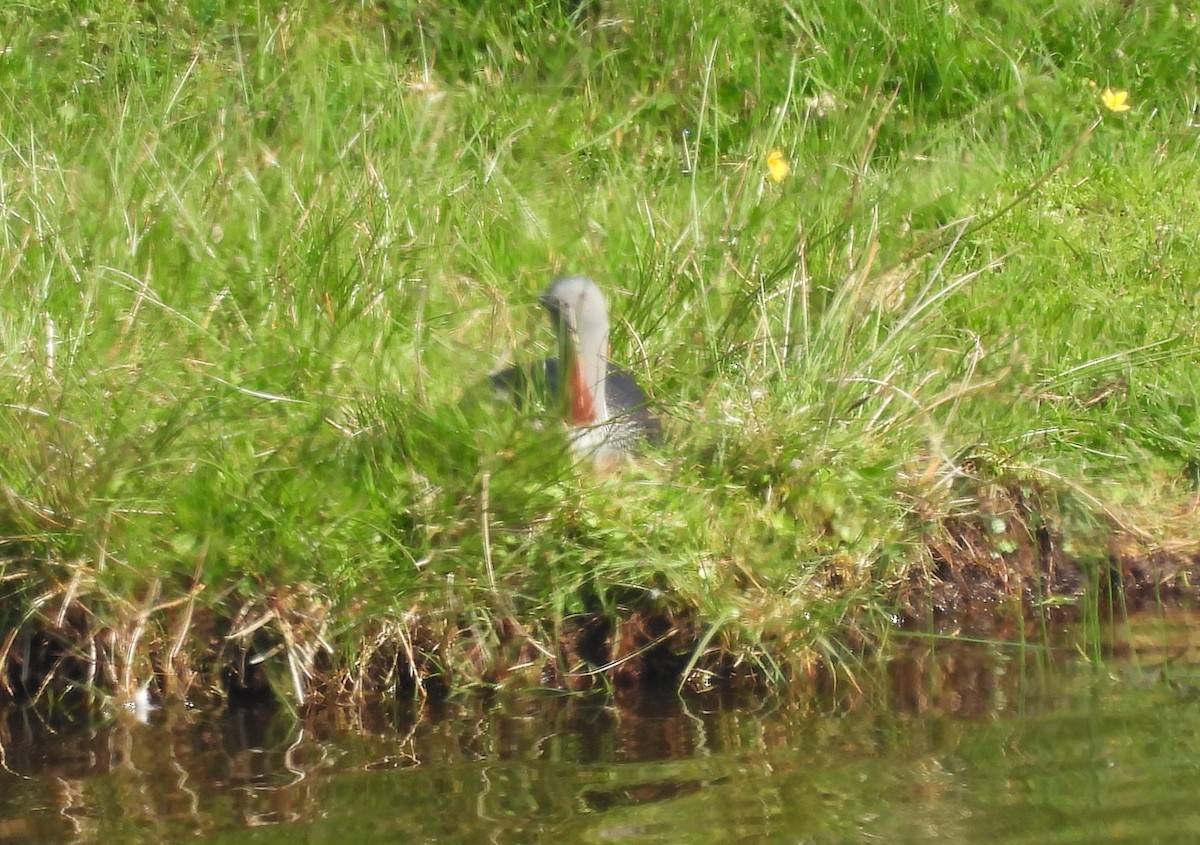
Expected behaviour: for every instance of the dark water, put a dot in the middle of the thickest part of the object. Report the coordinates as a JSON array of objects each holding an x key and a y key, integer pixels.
[{"x": 962, "y": 744}]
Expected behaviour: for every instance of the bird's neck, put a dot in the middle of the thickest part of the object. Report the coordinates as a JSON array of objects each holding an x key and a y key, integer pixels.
[{"x": 587, "y": 369}]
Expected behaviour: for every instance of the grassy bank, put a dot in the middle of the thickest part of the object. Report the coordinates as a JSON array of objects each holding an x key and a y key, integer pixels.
[{"x": 256, "y": 264}]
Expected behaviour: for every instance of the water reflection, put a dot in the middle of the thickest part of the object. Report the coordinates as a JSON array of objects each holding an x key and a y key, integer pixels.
[{"x": 964, "y": 743}]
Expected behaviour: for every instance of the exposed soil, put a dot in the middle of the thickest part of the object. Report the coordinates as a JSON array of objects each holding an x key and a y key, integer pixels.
[{"x": 1007, "y": 550}]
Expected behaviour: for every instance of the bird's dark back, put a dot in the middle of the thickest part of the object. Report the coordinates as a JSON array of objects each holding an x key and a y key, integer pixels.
[{"x": 628, "y": 405}]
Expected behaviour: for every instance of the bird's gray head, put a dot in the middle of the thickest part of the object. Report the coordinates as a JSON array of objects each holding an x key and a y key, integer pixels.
[{"x": 577, "y": 309}]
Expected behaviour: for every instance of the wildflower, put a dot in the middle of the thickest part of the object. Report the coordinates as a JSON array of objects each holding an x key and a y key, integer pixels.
[
  {"x": 777, "y": 165},
  {"x": 1117, "y": 101}
]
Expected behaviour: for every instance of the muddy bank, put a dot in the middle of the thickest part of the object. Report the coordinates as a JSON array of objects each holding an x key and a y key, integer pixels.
[{"x": 989, "y": 574}]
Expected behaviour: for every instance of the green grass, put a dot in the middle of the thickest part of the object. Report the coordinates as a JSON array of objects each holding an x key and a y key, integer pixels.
[{"x": 256, "y": 261}]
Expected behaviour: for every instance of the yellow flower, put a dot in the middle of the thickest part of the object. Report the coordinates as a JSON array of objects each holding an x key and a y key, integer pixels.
[
  {"x": 777, "y": 166},
  {"x": 1117, "y": 101}
]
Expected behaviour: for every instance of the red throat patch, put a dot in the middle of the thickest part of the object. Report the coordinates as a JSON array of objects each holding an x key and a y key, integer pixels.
[{"x": 583, "y": 404}]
